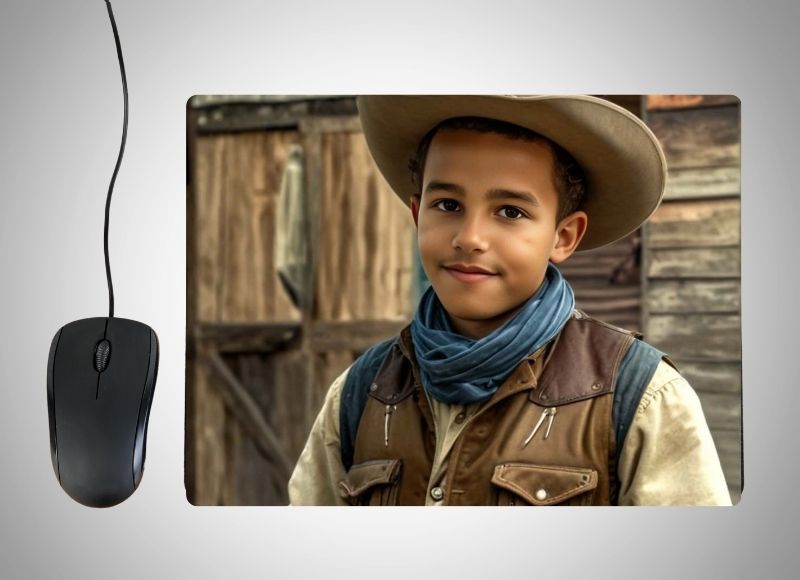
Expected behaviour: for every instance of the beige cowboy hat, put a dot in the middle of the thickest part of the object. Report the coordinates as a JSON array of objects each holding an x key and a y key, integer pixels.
[{"x": 623, "y": 161}]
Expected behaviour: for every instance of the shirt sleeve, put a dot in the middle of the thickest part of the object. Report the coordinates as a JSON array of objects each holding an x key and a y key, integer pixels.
[
  {"x": 668, "y": 456},
  {"x": 316, "y": 476}
]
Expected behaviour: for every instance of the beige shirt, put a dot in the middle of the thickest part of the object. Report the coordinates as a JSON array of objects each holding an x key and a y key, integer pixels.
[{"x": 668, "y": 456}]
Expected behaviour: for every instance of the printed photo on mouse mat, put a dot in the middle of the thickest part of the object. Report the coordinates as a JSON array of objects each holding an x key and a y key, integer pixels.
[{"x": 463, "y": 300}]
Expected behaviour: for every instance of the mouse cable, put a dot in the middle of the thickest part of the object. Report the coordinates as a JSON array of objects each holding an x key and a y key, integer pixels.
[{"x": 119, "y": 159}]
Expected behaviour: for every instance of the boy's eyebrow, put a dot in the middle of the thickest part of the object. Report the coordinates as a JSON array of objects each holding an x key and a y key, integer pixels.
[
  {"x": 498, "y": 194},
  {"x": 491, "y": 195},
  {"x": 445, "y": 186}
]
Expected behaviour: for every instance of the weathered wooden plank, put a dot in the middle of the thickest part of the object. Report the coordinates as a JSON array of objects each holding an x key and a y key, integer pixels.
[
  {"x": 705, "y": 182},
  {"x": 693, "y": 296},
  {"x": 682, "y": 224},
  {"x": 365, "y": 266},
  {"x": 694, "y": 263},
  {"x": 209, "y": 419},
  {"x": 604, "y": 307},
  {"x": 334, "y": 124},
  {"x": 304, "y": 379},
  {"x": 354, "y": 336},
  {"x": 698, "y": 137},
  {"x": 718, "y": 377},
  {"x": 607, "y": 292},
  {"x": 696, "y": 336},
  {"x": 238, "y": 337},
  {"x": 251, "y": 474},
  {"x": 592, "y": 266},
  {"x": 729, "y": 448},
  {"x": 327, "y": 367},
  {"x": 283, "y": 398},
  {"x": 250, "y": 289},
  {"x": 663, "y": 102},
  {"x": 627, "y": 320},
  {"x": 237, "y": 183},
  {"x": 190, "y": 438},
  {"x": 722, "y": 410},
  {"x": 258, "y": 114},
  {"x": 607, "y": 260},
  {"x": 207, "y": 190},
  {"x": 623, "y": 247},
  {"x": 230, "y": 439},
  {"x": 210, "y": 102}
]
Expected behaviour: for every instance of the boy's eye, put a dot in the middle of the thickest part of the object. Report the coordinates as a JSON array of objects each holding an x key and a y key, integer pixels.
[
  {"x": 447, "y": 205},
  {"x": 511, "y": 212}
]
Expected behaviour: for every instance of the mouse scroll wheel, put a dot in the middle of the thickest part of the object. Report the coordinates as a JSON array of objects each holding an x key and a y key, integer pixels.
[{"x": 102, "y": 353}]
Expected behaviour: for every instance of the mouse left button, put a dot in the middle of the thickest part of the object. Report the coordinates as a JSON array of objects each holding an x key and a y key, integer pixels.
[
  {"x": 72, "y": 387},
  {"x": 74, "y": 365}
]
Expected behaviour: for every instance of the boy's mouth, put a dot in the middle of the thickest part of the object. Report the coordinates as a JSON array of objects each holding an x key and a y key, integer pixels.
[{"x": 468, "y": 273}]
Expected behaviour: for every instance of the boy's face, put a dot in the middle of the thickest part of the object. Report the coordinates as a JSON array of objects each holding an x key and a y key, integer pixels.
[{"x": 489, "y": 202}]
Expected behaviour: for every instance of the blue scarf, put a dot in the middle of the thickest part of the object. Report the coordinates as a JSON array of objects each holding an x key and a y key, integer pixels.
[{"x": 456, "y": 369}]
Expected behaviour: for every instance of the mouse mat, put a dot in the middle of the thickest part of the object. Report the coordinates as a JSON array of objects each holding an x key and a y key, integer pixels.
[{"x": 300, "y": 258}]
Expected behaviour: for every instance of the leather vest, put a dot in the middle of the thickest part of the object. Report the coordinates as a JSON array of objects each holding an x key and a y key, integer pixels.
[{"x": 495, "y": 460}]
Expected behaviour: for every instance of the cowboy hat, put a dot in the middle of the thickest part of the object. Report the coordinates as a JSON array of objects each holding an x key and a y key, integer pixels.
[{"x": 624, "y": 165}]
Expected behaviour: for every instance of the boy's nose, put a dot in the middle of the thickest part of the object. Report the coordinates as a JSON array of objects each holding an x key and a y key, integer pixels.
[{"x": 471, "y": 236}]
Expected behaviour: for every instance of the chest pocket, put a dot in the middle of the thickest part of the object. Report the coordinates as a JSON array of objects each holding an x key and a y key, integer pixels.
[
  {"x": 542, "y": 485},
  {"x": 374, "y": 482}
]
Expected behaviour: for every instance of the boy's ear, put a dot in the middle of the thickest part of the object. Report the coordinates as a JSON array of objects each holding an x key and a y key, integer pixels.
[
  {"x": 569, "y": 233},
  {"x": 415, "y": 199}
]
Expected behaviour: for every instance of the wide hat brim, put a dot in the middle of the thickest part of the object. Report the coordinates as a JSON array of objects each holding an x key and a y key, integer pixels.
[{"x": 625, "y": 167}]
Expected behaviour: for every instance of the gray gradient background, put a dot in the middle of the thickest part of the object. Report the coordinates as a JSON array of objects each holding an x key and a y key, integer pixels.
[{"x": 59, "y": 132}]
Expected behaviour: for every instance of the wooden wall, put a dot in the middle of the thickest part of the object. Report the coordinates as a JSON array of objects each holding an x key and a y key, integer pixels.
[
  {"x": 607, "y": 282},
  {"x": 258, "y": 366},
  {"x": 231, "y": 277},
  {"x": 691, "y": 278}
]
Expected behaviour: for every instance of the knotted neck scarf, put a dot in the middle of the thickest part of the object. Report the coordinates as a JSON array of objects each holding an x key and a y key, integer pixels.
[{"x": 456, "y": 369}]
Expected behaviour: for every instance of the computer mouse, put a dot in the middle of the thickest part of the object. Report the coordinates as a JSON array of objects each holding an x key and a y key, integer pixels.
[{"x": 101, "y": 374}]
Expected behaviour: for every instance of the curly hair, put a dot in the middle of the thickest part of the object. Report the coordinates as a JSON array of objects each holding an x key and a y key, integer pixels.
[{"x": 568, "y": 176}]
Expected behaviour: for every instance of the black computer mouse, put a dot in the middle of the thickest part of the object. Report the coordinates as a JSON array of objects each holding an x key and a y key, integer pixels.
[{"x": 101, "y": 374}]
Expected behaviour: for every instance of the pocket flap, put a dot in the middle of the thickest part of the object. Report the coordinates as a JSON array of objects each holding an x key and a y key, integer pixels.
[
  {"x": 544, "y": 484},
  {"x": 364, "y": 475}
]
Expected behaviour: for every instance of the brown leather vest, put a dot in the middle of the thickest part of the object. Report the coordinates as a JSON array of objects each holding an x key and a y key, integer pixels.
[{"x": 490, "y": 462}]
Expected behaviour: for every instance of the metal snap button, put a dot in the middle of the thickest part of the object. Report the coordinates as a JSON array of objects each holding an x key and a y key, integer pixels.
[
  {"x": 541, "y": 495},
  {"x": 597, "y": 386},
  {"x": 437, "y": 493},
  {"x": 373, "y": 387},
  {"x": 460, "y": 418}
]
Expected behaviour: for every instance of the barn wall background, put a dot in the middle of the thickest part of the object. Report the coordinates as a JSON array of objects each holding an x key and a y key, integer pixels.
[
  {"x": 692, "y": 274},
  {"x": 260, "y": 357},
  {"x": 258, "y": 361}
]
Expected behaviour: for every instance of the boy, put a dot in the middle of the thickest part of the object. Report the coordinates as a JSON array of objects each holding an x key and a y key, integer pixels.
[{"x": 499, "y": 392}]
